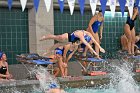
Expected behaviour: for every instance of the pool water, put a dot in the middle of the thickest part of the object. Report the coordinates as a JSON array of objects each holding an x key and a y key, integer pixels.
[
  {"x": 76, "y": 90},
  {"x": 91, "y": 90}
]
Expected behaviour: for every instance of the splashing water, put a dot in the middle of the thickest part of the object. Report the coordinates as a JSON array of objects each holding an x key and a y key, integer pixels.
[
  {"x": 123, "y": 79},
  {"x": 10, "y": 90},
  {"x": 45, "y": 79},
  {"x": 121, "y": 82}
]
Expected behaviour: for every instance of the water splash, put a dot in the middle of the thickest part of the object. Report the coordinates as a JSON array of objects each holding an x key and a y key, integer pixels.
[
  {"x": 10, "y": 90},
  {"x": 122, "y": 80},
  {"x": 45, "y": 78}
]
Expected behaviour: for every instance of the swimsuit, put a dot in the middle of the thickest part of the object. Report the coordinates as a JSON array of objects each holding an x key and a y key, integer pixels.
[
  {"x": 87, "y": 38},
  {"x": 3, "y": 71},
  {"x": 95, "y": 26},
  {"x": 130, "y": 22},
  {"x": 59, "y": 51},
  {"x": 72, "y": 38}
]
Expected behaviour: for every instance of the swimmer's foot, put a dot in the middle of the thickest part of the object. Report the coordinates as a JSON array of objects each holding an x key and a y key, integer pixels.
[
  {"x": 97, "y": 56},
  {"x": 45, "y": 37}
]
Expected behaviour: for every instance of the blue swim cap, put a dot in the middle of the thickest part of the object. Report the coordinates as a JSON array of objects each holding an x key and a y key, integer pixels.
[
  {"x": 1, "y": 53},
  {"x": 59, "y": 52},
  {"x": 87, "y": 38},
  {"x": 53, "y": 85}
]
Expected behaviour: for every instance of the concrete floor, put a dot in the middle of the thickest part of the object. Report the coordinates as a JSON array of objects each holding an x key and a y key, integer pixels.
[{"x": 20, "y": 72}]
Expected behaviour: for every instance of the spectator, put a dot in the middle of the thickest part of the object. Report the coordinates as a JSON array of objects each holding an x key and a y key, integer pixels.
[{"x": 4, "y": 72}]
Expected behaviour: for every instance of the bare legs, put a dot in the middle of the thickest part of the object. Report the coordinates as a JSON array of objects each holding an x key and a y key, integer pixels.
[
  {"x": 60, "y": 38},
  {"x": 133, "y": 40},
  {"x": 56, "y": 71},
  {"x": 124, "y": 42},
  {"x": 65, "y": 65},
  {"x": 60, "y": 64},
  {"x": 86, "y": 49},
  {"x": 96, "y": 36},
  {"x": 130, "y": 34}
]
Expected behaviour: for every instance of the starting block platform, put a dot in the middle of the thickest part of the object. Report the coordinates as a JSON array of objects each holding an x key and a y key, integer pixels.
[
  {"x": 94, "y": 66},
  {"x": 35, "y": 60}
]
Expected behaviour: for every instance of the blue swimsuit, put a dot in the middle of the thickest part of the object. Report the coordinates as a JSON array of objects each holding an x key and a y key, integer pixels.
[
  {"x": 61, "y": 51},
  {"x": 95, "y": 26},
  {"x": 87, "y": 38},
  {"x": 72, "y": 37}
]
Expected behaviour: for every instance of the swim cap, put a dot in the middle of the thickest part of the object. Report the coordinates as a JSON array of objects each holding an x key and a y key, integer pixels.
[
  {"x": 59, "y": 52},
  {"x": 53, "y": 85},
  {"x": 1, "y": 53}
]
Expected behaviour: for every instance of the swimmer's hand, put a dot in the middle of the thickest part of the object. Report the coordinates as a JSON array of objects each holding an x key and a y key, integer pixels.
[
  {"x": 43, "y": 38},
  {"x": 102, "y": 50},
  {"x": 9, "y": 76},
  {"x": 64, "y": 65},
  {"x": 101, "y": 37}
]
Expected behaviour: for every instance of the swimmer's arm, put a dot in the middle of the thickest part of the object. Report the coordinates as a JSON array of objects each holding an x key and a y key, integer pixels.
[
  {"x": 101, "y": 30},
  {"x": 88, "y": 45},
  {"x": 66, "y": 48},
  {"x": 8, "y": 75},
  {"x": 94, "y": 41},
  {"x": 135, "y": 14},
  {"x": 70, "y": 56},
  {"x": 7, "y": 72},
  {"x": 93, "y": 19}
]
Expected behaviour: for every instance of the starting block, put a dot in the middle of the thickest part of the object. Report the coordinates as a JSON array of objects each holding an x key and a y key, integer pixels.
[
  {"x": 36, "y": 61},
  {"x": 94, "y": 66}
]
